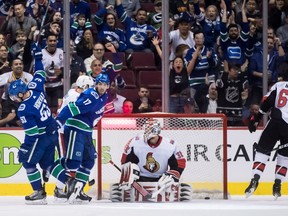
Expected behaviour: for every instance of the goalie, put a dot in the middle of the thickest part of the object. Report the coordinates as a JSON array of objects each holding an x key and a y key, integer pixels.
[{"x": 155, "y": 162}]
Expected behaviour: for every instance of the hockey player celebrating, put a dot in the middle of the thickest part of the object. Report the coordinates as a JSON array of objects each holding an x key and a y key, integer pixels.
[
  {"x": 152, "y": 158},
  {"x": 80, "y": 117},
  {"x": 40, "y": 128},
  {"x": 275, "y": 130},
  {"x": 82, "y": 83}
]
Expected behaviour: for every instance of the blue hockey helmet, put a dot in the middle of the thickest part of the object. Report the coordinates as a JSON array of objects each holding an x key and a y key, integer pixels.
[
  {"x": 103, "y": 78},
  {"x": 15, "y": 88}
]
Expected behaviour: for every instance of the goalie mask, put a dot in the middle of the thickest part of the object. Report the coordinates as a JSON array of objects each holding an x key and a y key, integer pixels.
[{"x": 152, "y": 129}]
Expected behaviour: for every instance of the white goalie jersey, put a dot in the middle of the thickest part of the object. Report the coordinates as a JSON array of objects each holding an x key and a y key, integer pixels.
[{"x": 154, "y": 160}]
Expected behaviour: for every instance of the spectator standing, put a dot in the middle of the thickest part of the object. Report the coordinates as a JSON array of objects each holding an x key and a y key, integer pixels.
[
  {"x": 53, "y": 63},
  {"x": 4, "y": 60},
  {"x": 78, "y": 27},
  {"x": 107, "y": 30},
  {"x": 79, "y": 7},
  {"x": 208, "y": 103},
  {"x": 17, "y": 49},
  {"x": 178, "y": 86},
  {"x": 138, "y": 33},
  {"x": 118, "y": 100},
  {"x": 84, "y": 48}
]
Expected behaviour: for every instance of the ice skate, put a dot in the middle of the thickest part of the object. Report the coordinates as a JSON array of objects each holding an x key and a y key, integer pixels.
[
  {"x": 277, "y": 188},
  {"x": 252, "y": 186},
  {"x": 70, "y": 186},
  {"x": 60, "y": 196},
  {"x": 82, "y": 198},
  {"x": 38, "y": 197}
]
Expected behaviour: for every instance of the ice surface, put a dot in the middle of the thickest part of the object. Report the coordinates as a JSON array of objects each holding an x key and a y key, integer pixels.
[{"x": 236, "y": 206}]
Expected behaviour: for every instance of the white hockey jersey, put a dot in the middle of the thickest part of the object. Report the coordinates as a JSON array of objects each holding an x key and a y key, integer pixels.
[
  {"x": 154, "y": 160},
  {"x": 277, "y": 99}
]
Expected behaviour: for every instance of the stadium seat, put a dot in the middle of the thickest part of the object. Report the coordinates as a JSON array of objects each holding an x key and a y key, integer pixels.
[
  {"x": 148, "y": 6},
  {"x": 129, "y": 77},
  {"x": 155, "y": 94},
  {"x": 129, "y": 93},
  {"x": 151, "y": 79},
  {"x": 143, "y": 61}
]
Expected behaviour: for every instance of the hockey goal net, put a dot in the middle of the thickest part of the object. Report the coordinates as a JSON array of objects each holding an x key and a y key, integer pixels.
[{"x": 202, "y": 138}]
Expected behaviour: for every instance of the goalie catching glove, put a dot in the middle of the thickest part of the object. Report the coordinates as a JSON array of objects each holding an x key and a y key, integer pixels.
[
  {"x": 130, "y": 172},
  {"x": 168, "y": 178},
  {"x": 254, "y": 120}
]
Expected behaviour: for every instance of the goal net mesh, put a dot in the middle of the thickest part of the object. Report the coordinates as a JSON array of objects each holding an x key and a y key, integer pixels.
[{"x": 201, "y": 138}]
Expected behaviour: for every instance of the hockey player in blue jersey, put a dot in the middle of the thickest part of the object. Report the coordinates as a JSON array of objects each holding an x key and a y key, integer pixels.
[
  {"x": 80, "y": 117},
  {"x": 40, "y": 128}
]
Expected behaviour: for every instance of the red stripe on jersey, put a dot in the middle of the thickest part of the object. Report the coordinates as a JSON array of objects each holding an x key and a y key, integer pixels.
[
  {"x": 259, "y": 166},
  {"x": 181, "y": 163},
  {"x": 123, "y": 158},
  {"x": 281, "y": 170}
]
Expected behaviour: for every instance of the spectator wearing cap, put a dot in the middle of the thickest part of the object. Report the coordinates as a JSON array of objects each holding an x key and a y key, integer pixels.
[
  {"x": 18, "y": 21},
  {"x": 183, "y": 35},
  {"x": 54, "y": 28},
  {"x": 210, "y": 22}
]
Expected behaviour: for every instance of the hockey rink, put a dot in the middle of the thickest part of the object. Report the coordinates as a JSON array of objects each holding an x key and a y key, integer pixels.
[{"x": 236, "y": 206}]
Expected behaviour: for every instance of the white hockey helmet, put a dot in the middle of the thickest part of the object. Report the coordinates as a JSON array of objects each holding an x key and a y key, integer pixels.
[
  {"x": 152, "y": 128},
  {"x": 84, "y": 82}
]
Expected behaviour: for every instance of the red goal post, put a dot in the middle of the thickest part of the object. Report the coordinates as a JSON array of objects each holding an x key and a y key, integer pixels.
[{"x": 202, "y": 138}]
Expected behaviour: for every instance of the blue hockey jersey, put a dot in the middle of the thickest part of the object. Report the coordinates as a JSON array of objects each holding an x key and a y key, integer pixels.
[
  {"x": 83, "y": 114},
  {"x": 34, "y": 112}
]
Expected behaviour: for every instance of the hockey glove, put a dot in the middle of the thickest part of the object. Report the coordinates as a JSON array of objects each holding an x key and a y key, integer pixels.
[
  {"x": 37, "y": 51},
  {"x": 254, "y": 120},
  {"x": 24, "y": 152},
  {"x": 168, "y": 178},
  {"x": 130, "y": 172},
  {"x": 53, "y": 126}
]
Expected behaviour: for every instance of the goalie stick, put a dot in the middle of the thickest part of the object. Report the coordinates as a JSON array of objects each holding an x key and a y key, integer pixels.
[
  {"x": 274, "y": 149},
  {"x": 136, "y": 185}
]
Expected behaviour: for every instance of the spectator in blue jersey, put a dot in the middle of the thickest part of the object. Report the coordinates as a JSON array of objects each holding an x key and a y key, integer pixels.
[
  {"x": 40, "y": 128},
  {"x": 210, "y": 23},
  {"x": 79, "y": 7},
  {"x": 138, "y": 33},
  {"x": 235, "y": 44},
  {"x": 78, "y": 27},
  {"x": 79, "y": 118},
  {"x": 201, "y": 62},
  {"x": 256, "y": 70},
  {"x": 107, "y": 30}
]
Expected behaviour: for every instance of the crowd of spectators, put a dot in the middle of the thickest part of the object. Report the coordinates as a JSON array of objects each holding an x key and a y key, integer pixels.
[{"x": 216, "y": 51}]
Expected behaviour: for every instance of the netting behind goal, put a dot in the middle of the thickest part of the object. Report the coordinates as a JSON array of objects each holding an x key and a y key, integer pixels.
[{"x": 201, "y": 138}]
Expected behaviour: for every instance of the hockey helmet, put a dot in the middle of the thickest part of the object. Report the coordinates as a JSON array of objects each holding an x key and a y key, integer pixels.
[
  {"x": 16, "y": 88},
  {"x": 152, "y": 128},
  {"x": 84, "y": 82},
  {"x": 103, "y": 78}
]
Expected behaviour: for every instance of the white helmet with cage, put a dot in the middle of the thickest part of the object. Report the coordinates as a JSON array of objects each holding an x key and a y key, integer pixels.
[
  {"x": 84, "y": 82},
  {"x": 152, "y": 129}
]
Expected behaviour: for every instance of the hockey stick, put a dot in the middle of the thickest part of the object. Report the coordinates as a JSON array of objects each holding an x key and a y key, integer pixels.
[
  {"x": 42, "y": 22},
  {"x": 136, "y": 185},
  {"x": 274, "y": 149}
]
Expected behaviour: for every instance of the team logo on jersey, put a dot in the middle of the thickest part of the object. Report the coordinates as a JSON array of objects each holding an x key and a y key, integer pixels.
[
  {"x": 151, "y": 164},
  {"x": 22, "y": 107},
  {"x": 232, "y": 94},
  {"x": 32, "y": 85}
]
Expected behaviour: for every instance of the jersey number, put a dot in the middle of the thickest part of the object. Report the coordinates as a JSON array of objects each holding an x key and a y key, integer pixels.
[
  {"x": 44, "y": 111},
  {"x": 282, "y": 101}
]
